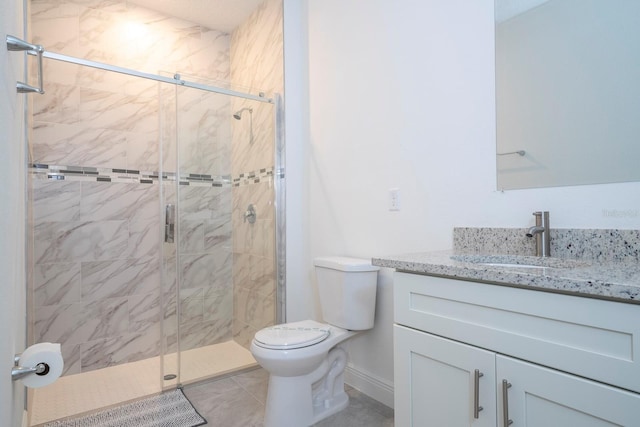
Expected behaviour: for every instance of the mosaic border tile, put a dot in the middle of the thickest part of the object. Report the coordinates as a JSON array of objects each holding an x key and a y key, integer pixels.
[
  {"x": 253, "y": 177},
  {"x": 116, "y": 175}
]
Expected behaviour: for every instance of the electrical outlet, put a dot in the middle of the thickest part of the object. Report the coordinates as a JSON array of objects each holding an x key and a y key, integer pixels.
[{"x": 394, "y": 199}]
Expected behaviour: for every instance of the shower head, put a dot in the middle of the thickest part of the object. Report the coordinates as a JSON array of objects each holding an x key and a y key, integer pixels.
[{"x": 238, "y": 114}]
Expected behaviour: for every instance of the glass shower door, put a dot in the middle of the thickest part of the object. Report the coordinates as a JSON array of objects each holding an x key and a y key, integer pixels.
[{"x": 221, "y": 151}]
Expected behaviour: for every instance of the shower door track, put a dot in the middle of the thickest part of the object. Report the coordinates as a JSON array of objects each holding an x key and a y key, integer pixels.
[{"x": 175, "y": 80}]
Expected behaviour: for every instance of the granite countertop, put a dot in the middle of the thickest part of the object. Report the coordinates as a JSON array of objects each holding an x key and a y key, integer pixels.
[{"x": 619, "y": 281}]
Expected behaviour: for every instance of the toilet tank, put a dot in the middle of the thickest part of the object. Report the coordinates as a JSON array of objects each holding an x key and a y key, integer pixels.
[{"x": 347, "y": 289}]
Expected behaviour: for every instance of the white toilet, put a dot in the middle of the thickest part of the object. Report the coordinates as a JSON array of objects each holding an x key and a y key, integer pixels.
[{"x": 304, "y": 359}]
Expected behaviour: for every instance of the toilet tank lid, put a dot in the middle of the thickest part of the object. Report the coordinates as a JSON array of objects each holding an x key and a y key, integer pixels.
[{"x": 345, "y": 263}]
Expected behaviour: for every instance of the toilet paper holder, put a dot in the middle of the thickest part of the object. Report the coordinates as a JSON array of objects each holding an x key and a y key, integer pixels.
[{"x": 18, "y": 371}]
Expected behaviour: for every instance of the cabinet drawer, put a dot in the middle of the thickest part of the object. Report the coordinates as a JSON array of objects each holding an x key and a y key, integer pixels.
[{"x": 589, "y": 337}]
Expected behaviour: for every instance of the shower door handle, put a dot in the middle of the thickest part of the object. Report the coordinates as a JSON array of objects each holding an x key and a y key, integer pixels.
[
  {"x": 169, "y": 223},
  {"x": 17, "y": 45}
]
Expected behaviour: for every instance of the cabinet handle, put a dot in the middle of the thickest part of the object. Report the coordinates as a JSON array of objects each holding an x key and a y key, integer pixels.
[
  {"x": 505, "y": 404},
  {"x": 476, "y": 394}
]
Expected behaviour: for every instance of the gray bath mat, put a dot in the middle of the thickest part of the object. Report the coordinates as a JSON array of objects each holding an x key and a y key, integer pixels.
[{"x": 170, "y": 409}]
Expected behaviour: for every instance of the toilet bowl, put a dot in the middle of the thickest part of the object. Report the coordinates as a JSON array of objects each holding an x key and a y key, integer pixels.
[
  {"x": 302, "y": 390},
  {"x": 305, "y": 359}
]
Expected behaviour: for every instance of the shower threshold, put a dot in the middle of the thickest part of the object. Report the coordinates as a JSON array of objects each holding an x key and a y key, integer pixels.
[{"x": 77, "y": 394}]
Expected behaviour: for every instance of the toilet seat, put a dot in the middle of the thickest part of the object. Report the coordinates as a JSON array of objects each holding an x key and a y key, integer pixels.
[{"x": 290, "y": 336}]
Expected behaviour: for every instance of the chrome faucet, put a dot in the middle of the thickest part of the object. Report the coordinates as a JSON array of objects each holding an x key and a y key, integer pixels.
[{"x": 542, "y": 233}]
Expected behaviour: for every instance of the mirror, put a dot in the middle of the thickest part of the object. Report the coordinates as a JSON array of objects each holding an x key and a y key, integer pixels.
[{"x": 567, "y": 92}]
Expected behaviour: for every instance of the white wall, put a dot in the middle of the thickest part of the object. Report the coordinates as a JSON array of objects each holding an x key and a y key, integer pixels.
[
  {"x": 12, "y": 214},
  {"x": 296, "y": 96},
  {"x": 401, "y": 94}
]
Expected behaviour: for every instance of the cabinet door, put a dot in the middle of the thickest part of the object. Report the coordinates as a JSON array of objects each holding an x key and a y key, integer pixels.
[
  {"x": 435, "y": 382},
  {"x": 542, "y": 397}
]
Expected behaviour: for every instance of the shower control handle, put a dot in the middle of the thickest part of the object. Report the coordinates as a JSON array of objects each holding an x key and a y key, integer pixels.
[
  {"x": 169, "y": 223},
  {"x": 250, "y": 214}
]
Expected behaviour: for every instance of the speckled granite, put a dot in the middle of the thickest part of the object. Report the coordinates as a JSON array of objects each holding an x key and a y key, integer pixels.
[
  {"x": 584, "y": 244},
  {"x": 619, "y": 281},
  {"x": 594, "y": 263},
  {"x": 597, "y": 245},
  {"x": 507, "y": 241}
]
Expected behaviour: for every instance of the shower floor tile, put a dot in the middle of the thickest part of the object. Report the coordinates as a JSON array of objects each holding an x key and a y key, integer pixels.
[
  {"x": 208, "y": 362},
  {"x": 81, "y": 393}
]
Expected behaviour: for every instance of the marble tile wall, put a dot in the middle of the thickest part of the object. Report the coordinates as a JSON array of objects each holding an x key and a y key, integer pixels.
[
  {"x": 91, "y": 117},
  {"x": 97, "y": 257},
  {"x": 206, "y": 285},
  {"x": 256, "y": 59},
  {"x": 254, "y": 289},
  {"x": 96, "y": 271},
  {"x": 257, "y": 66}
]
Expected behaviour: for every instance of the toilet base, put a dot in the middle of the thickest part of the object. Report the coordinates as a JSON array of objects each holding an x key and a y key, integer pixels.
[
  {"x": 336, "y": 404},
  {"x": 305, "y": 400}
]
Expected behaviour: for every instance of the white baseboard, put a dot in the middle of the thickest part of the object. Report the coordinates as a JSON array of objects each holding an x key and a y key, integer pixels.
[
  {"x": 25, "y": 419},
  {"x": 371, "y": 385}
]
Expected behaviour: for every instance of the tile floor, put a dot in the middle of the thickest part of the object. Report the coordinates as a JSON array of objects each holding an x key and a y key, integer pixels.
[
  {"x": 73, "y": 395},
  {"x": 238, "y": 401}
]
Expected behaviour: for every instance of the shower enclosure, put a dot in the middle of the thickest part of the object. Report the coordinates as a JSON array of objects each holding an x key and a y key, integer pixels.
[{"x": 154, "y": 200}]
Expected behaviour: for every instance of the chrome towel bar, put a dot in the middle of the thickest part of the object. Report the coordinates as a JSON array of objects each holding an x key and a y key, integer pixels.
[{"x": 18, "y": 45}]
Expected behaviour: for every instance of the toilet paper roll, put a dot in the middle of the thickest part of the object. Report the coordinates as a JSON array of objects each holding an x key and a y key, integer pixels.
[{"x": 47, "y": 353}]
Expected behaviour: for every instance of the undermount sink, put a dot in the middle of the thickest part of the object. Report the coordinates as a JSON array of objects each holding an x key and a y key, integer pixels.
[
  {"x": 517, "y": 261},
  {"x": 499, "y": 264}
]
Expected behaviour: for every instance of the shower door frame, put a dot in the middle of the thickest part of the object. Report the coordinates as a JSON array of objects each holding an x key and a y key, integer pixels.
[{"x": 176, "y": 80}]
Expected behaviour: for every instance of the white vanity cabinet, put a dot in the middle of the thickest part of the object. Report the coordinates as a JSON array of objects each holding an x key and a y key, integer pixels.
[{"x": 556, "y": 360}]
